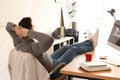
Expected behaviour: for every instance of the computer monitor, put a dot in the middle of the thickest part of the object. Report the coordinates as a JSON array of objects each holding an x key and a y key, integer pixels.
[{"x": 114, "y": 38}]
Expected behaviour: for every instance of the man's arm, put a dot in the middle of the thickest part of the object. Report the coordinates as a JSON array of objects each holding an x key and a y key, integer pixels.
[
  {"x": 43, "y": 43},
  {"x": 10, "y": 29}
]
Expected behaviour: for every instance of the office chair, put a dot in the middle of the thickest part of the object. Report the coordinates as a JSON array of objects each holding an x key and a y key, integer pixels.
[{"x": 24, "y": 66}]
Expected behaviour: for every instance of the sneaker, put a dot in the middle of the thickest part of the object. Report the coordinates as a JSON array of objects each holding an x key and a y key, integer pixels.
[{"x": 94, "y": 37}]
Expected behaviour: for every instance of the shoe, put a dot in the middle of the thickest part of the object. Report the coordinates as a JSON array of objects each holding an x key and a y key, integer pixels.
[{"x": 94, "y": 37}]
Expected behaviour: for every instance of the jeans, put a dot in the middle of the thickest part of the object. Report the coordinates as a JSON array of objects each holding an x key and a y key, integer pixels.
[{"x": 67, "y": 53}]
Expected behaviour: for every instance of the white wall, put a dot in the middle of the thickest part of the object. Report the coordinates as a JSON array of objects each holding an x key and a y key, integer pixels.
[
  {"x": 5, "y": 47},
  {"x": 45, "y": 13},
  {"x": 93, "y": 14},
  {"x": 14, "y": 10}
]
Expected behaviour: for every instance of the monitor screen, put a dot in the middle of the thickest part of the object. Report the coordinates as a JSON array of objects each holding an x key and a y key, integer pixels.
[{"x": 114, "y": 38}]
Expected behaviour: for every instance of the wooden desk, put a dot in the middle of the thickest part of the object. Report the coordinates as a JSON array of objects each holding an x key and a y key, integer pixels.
[{"x": 73, "y": 69}]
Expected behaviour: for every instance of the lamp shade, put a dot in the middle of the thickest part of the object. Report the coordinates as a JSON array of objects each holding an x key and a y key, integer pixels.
[{"x": 112, "y": 11}]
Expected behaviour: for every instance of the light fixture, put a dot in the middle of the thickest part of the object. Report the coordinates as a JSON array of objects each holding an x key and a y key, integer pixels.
[{"x": 112, "y": 12}]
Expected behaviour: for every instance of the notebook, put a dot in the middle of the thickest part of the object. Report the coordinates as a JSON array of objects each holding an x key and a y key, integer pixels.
[{"x": 94, "y": 66}]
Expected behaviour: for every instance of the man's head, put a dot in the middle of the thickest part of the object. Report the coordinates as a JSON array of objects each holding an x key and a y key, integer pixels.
[{"x": 26, "y": 22}]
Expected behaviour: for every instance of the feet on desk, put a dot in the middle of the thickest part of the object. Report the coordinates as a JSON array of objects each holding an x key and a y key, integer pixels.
[{"x": 94, "y": 37}]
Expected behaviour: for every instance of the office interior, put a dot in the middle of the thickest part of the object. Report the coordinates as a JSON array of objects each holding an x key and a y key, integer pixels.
[{"x": 46, "y": 16}]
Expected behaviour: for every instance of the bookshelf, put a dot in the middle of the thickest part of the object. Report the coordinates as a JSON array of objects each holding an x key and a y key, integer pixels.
[{"x": 58, "y": 43}]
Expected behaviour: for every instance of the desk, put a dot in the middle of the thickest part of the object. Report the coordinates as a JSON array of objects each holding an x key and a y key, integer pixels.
[{"x": 73, "y": 69}]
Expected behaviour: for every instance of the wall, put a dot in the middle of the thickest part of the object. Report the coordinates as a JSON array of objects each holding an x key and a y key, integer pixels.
[
  {"x": 93, "y": 14},
  {"x": 89, "y": 16},
  {"x": 45, "y": 13},
  {"x": 5, "y": 47},
  {"x": 14, "y": 10}
]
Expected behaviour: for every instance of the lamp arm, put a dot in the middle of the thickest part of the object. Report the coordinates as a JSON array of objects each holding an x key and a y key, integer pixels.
[{"x": 114, "y": 17}]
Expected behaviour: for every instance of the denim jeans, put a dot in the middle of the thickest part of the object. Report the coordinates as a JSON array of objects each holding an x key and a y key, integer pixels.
[{"x": 67, "y": 53}]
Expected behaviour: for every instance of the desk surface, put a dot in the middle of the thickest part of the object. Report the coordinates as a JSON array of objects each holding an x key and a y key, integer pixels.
[{"x": 74, "y": 69}]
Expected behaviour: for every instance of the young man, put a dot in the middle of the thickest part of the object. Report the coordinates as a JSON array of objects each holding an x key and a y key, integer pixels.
[{"x": 37, "y": 43}]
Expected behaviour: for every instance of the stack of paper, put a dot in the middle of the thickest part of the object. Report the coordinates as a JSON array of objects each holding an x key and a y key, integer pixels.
[{"x": 94, "y": 66}]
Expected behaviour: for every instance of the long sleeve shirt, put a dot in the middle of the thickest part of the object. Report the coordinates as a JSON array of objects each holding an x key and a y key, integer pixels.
[{"x": 37, "y": 44}]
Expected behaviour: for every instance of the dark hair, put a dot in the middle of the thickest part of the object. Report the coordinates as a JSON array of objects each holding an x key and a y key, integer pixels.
[{"x": 26, "y": 22}]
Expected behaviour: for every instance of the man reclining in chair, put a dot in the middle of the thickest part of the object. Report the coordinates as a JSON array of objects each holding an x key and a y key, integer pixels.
[{"x": 37, "y": 43}]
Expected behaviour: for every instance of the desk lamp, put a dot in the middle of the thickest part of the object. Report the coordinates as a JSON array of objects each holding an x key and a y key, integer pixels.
[{"x": 112, "y": 12}]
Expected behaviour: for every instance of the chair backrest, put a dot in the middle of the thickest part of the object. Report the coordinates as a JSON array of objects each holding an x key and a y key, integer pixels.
[{"x": 24, "y": 66}]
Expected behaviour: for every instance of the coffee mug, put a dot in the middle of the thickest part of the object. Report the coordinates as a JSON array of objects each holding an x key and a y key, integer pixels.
[{"x": 88, "y": 57}]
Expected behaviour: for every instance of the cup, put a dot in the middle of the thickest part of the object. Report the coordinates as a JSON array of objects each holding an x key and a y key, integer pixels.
[{"x": 88, "y": 57}]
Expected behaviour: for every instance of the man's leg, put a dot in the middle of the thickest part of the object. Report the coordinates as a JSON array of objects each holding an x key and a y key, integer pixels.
[
  {"x": 59, "y": 52},
  {"x": 69, "y": 55},
  {"x": 83, "y": 49},
  {"x": 72, "y": 52},
  {"x": 84, "y": 43},
  {"x": 66, "y": 58}
]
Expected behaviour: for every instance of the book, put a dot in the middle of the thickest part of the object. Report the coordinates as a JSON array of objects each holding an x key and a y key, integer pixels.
[{"x": 94, "y": 66}]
